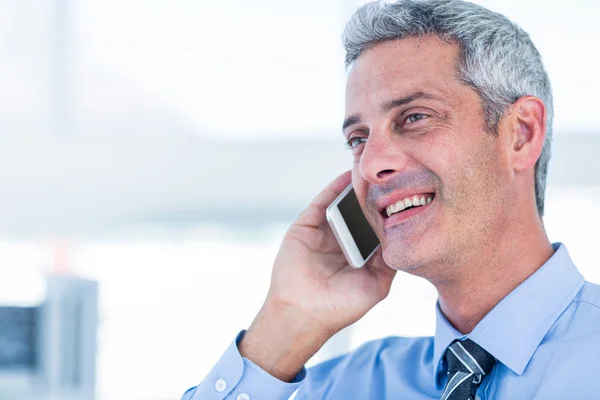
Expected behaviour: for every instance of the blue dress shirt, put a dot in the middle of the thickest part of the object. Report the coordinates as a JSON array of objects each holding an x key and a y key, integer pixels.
[{"x": 545, "y": 335}]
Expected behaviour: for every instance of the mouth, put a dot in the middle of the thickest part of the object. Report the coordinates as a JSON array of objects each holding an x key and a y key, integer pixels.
[{"x": 407, "y": 207}]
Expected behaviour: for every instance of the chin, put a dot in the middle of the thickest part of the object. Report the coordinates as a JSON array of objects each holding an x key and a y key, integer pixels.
[{"x": 402, "y": 260}]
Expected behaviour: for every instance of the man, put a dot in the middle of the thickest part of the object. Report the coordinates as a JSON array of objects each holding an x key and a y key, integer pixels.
[{"x": 449, "y": 100}]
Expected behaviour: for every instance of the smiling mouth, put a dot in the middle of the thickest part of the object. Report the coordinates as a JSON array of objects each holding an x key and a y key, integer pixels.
[{"x": 407, "y": 204}]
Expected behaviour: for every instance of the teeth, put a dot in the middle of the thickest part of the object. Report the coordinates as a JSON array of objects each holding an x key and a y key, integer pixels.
[{"x": 414, "y": 201}]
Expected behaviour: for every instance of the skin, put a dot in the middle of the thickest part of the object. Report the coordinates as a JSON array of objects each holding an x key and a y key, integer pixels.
[{"x": 479, "y": 238}]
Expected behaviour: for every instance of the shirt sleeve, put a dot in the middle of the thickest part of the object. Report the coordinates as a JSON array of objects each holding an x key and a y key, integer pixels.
[{"x": 237, "y": 378}]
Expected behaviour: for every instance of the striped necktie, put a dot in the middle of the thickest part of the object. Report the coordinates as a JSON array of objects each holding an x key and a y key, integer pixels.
[{"x": 468, "y": 363}]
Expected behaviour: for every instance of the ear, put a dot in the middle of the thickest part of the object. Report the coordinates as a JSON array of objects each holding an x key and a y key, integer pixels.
[{"x": 526, "y": 132}]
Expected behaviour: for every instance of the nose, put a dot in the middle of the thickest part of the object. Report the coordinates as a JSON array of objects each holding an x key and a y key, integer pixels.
[{"x": 381, "y": 159}]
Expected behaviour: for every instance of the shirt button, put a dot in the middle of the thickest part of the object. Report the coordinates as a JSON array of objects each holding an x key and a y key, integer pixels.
[
  {"x": 243, "y": 396},
  {"x": 220, "y": 385}
]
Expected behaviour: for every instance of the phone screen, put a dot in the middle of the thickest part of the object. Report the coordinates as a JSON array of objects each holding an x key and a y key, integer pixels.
[{"x": 359, "y": 228}]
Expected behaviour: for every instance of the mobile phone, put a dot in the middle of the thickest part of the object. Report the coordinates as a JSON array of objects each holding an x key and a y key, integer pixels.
[{"x": 351, "y": 229}]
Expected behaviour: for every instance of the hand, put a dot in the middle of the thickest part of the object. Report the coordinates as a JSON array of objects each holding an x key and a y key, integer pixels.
[{"x": 314, "y": 292}]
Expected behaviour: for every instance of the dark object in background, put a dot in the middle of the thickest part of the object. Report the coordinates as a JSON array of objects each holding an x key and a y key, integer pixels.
[{"x": 18, "y": 342}]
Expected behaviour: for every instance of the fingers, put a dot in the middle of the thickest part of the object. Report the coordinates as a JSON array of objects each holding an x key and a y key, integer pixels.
[
  {"x": 314, "y": 215},
  {"x": 385, "y": 275},
  {"x": 332, "y": 191},
  {"x": 377, "y": 263}
]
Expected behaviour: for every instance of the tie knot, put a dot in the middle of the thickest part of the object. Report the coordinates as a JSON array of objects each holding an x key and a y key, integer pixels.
[{"x": 468, "y": 356}]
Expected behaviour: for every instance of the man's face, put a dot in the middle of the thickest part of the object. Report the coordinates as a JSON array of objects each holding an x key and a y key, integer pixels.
[{"x": 416, "y": 130}]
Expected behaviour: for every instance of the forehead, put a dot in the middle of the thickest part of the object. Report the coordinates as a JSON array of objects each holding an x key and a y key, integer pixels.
[{"x": 399, "y": 67}]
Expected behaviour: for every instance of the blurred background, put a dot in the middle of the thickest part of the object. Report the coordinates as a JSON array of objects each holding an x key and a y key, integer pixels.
[{"x": 153, "y": 153}]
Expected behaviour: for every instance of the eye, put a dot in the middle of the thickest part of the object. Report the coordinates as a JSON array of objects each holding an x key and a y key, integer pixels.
[
  {"x": 355, "y": 141},
  {"x": 412, "y": 118}
]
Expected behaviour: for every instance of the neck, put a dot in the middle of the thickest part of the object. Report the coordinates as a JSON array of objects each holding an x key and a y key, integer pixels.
[{"x": 486, "y": 277}]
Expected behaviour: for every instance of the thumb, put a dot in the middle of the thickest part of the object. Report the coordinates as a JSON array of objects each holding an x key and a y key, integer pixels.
[{"x": 314, "y": 215}]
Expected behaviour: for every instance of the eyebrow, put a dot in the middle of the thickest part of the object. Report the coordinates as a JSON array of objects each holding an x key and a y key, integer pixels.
[{"x": 389, "y": 106}]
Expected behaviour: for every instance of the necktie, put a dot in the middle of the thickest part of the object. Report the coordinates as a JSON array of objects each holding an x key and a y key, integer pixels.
[{"x": 468, "y": 363}]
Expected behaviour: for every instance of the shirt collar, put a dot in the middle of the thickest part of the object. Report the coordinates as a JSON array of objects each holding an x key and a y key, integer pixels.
[{"x": 514, "y": 328}]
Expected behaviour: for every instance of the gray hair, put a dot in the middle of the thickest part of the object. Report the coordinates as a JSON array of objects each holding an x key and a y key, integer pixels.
[{"x": 497, "y": 58}]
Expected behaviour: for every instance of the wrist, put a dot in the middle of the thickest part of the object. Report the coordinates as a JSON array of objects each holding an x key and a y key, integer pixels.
[{"x": 280, "y": 341}]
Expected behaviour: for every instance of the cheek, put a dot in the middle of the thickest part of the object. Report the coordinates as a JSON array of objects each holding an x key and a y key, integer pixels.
[
  {"x": 440, "y": 157},
  {"x": 360, "y": 185},
  {"x": 462, "y": 165},
  {"x": 476, "y": 175}
]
